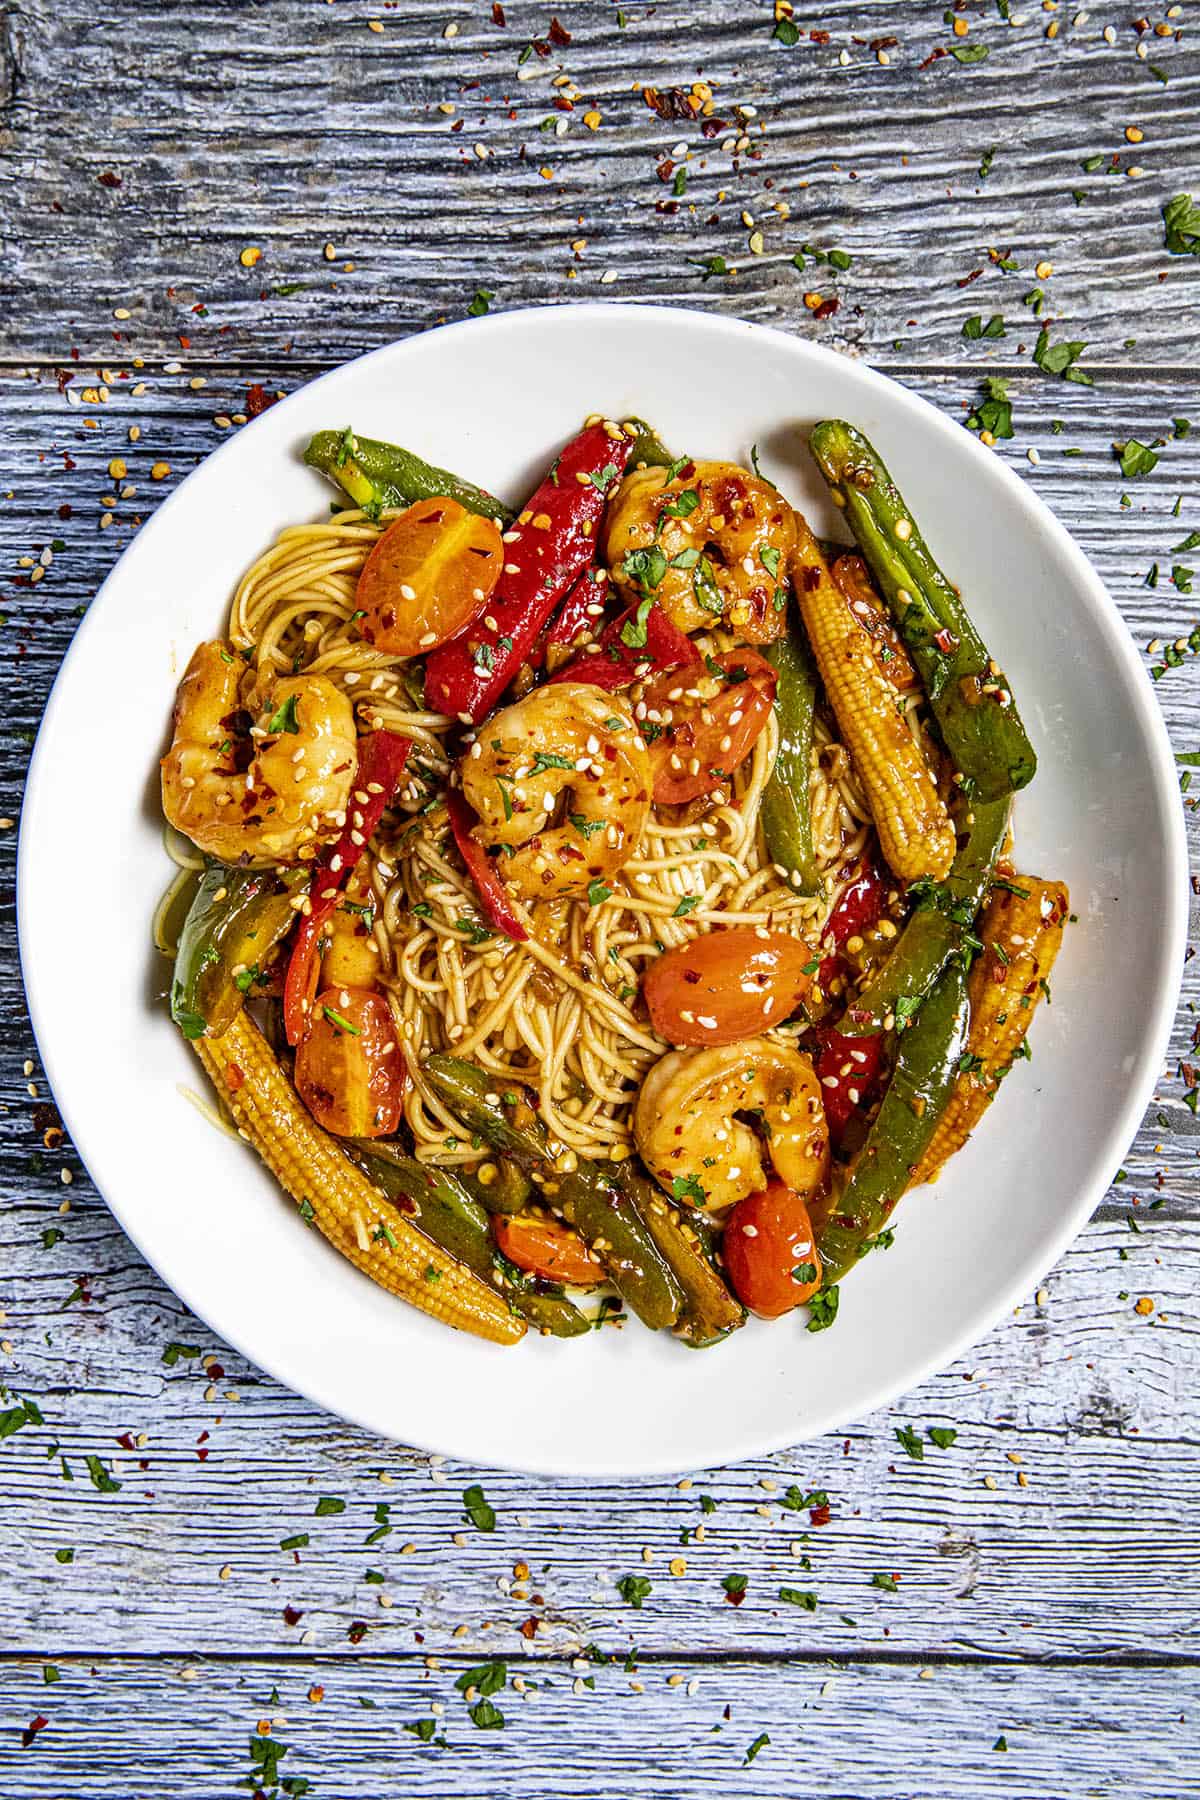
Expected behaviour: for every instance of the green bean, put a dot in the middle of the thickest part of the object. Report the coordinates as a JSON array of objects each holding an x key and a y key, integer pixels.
[
  {"x": 508, "y": 1189},
  {"x": 785, "y": 812},
  {"x": 970, "y": 699},
  {"x": 608, "y": 1220},
  {"x": 647, "y": 447},
  {"x": 920, "y": 1088},
  {"x": 936, "y": 930},
  {"x": 375, "y": 475}
]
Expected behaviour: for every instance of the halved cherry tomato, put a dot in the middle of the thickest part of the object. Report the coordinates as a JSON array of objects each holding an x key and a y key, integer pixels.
[
  {"x": 727, "y": 985},
  {"x": 770, "y": 1252},
  {"x": 546, "y": 1248},
  {"x": 431, "y": 573},
  {"x": 350, "y": 1070},
  {"x": 707, "y": 724}
]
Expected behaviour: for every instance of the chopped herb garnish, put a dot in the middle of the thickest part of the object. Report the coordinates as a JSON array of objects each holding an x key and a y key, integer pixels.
[
  {"x": 942, "y": 1436},
  {"x": 481, "y": 1515},
  {"x": 910, "y": 1442},
  {"x": 335, "y": 1018},
  {"x": 597, "y": 893},
  {"x": 688, "y": 904},
  {"x": 1181, "y": 218},
  {"x": 479, "y": 304},
  {"x": 1136, "y": 459},
  {"x": 633, "y": 1589},
  {"x": 882, "y": 1580},
  {"x": 760, "y": 1743},
  {"x": 285, "y": 718},
  {"x": 823, "y": 1309}
]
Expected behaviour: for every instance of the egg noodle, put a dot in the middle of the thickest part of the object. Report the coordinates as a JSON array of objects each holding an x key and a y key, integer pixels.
[{"x": 557, "y": 1012}]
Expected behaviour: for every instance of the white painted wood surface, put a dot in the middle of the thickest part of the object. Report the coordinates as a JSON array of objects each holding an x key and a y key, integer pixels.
[{"x": 1063, "y": 1614}]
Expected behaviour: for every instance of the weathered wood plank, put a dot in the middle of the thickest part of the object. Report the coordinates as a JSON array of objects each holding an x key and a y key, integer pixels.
[
  {"x": 297, "y": 126},
  {"x": 645, "y": 1734},
  {"x": 1077, "y": 1396}
]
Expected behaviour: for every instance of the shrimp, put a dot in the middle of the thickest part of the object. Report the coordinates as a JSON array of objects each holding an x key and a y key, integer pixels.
[
  {"x": 255, "y": 780},
  {"x": 562, "y": 779},
  {"x": 688, "y": 1128},
  {"x": 713, "y": 542}
]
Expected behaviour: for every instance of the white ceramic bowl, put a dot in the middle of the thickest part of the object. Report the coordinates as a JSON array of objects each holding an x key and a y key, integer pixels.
[{"x": 494, "y": 399}]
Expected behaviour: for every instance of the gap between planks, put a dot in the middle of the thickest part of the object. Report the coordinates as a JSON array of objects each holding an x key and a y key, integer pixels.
[{"x": 844, "y": 1661}]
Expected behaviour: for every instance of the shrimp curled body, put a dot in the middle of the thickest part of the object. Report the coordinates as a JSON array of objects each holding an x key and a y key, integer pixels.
[
  {"x": 254, "y": 779},
  {"x": 725, "y": 537},
  {"x": 562, "y": 780},
  {"x": 687, "y": 1121}
]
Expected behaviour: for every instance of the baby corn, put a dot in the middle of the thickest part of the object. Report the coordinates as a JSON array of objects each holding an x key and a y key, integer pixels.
[
  {"x": 1021, "y": 928},
  {"x": 915, "y": 833},
  {"x": 336, "y": 1197}
]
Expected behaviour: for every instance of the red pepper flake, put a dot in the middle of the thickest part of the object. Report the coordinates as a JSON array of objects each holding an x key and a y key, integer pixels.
[
  {"x": 234, "y": 1077},
  {"x": 818, "y": 1515},
  {"x": 357, "y": 1631},
  {"x": 31, "y": 1730},
  {"x": 665, "y": 169},
  {"x": 968, "y": 279},
  {"x": 126, "y": 1441},
  {"x": 559, "y": 34},
  {"x": 674, "y": 103},
  {"x": 712, "y": 128},
  {"x": 946, "y": 641},
  {"x": 827, "y": 308},
  {"x": 65, "y": 510},
  {"x": 498, "y": 17},
  {"x": 65, "y": 378},
  {"x": 528, "y": 1628},
  {"x": 885, "y": 43},
  {"x": 109, "y": 180},
  {"x": 292, "y": 1615},
  {"x": 935, "y": 55},
  {"x": 818, "y": 37},
  {"x": 258, "y": 400}
]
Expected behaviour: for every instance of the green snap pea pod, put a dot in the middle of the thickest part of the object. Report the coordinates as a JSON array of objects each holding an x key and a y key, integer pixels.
[
  {"x": 917, "y": 1095},
  {"x": 375, "y": 475},
  {"x": 971, "y": 702},
  {"x": 490, "y": 1109},
  {"x": 785, "y": 812},
  {"x": 710, "y": 1311},
  {"x": 236, "y": 918},
  {"x": 937, "y": 929},
  {"x": 439, "y": 1205},
  {"x": 499, "y": 1184},
  {"x": 606, "y": 1217}
]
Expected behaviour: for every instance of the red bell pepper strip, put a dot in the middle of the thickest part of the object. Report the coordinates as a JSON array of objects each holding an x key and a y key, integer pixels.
[
  {"x": 381, "y": 760},
  {"x": 859, "y": 907},
  {"x": 552, "y": 542},
  {"x": 493, "y": 895},
  {"x": 616, "y": 663},
  {"x": 576, "y": 615},
  {"x": 848, "y": 1069}
]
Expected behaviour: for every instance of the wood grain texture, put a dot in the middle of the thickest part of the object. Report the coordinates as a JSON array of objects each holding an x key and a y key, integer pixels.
[
  {"x": 1000, "y": 1734},
  {"x": 146, "y": 147}
]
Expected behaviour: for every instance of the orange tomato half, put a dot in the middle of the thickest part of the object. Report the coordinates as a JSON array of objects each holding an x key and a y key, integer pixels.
[
  {"x": 350, "y": 1070},
  {"x": 696, "y": 743},
  {"x": 546, "y": 1248},
  {"x": 429, "y": 576},
  {"x": 770, "y": 1252},
  {"x": 727, "y": 985}
]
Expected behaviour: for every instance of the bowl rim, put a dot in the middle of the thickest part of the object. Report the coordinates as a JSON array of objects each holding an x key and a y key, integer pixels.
[{"x": 1106, "y": 616}]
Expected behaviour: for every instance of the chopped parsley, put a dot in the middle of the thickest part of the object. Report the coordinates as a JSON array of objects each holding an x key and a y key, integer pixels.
[
  {"x": 597, "y": 893},
  {"x": 823, "y": 1309},
  {"x": 335, "y": 1018},
  {"x": 633, "y": 1589},
  {"x": 1060, "y": 359},
  {"x": 686, "y": 1187},
  {"x": 942, "y": 1436},
  {"x": 481, "y": 1515},
  {"x": 1136, "y": 459},
  {"x": 910, "y": 1442},
  {"x": 1181, "y": 220},
  {"x": 479, "y": 304},
  {"x": 974, "y": 327},
  {"x": 285, "y": 718},
  {"x": 888, "y": 1583},
  {"x": 799, "y": 1597}
]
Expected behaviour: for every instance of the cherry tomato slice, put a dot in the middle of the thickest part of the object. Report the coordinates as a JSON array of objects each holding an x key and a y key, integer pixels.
[
  {"x": 429, "y": 576},
  {"x": 546, "y": 1248},
  {"x": 707, "y": 725},
  {"x": 350, "y": 1071},
  {"x": 770, "y": 1252},
  {"x": 727, "y": 985}
]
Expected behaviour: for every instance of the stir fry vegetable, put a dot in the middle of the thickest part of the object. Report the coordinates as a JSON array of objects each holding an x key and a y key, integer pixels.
[
  {"x": 727, "y": 985},
  {"x": 606, "y": 1216},
  {"x": 927, "y": 1061},
  {"x": 939, "y": 928},
  {"x": 786, "y": 807},
  {"x": 336, "y": 1197},
  {"x": 770, "y": 1252},
  {"x": 235, "y": 921},
  {"x": 350, "y": 1071},
  {"x": 709, "y": 1312},
  {"x": 1022, "y": 931},
  {"x": 375, "y": 475},
  {"x": 429, "y": 576},
  {"x": 630, "y": 645},
  {"x": 381, "y": 760},
  {"x": 552, "y": 542},
  {"x": 970, "y": 698}
]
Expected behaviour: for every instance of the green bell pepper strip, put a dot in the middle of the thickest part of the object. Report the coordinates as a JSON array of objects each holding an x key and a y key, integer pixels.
[
  {"x": 481, "y": 1101},
  {"x": 375, "y": 475},
  {"x": 607, "y": 1218},
  {"x": 946, "y": 911},
  {"x": 971, "y": 702},
  {"x": 710, "y": 1311},
  {"x": 648, "y": 447},
  {"x": 235, "y": 920},
  {"x": 509, "y": 1191},
  {"x": 921, "y": 1085},
  {"x": 785, "y": 812},
  {"x": 439, "y": 1205}
]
